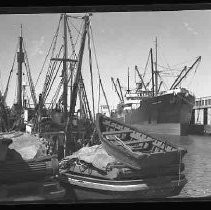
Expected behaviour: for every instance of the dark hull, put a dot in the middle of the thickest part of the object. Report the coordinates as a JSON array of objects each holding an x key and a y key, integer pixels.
[
  {"x": 92, "y": 189},
  {"x": 165, "y": 109}
]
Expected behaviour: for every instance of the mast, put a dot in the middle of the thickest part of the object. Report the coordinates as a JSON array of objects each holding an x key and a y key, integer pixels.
[
  {"x": 65, "y": 82},
  {"x": 69, "y": 145},
  {"x": 153, "y": 92},
  {"x": 20, "y": 60},
  {"x": 156, "y": 72},
  {"x": 128, "y": 81}
]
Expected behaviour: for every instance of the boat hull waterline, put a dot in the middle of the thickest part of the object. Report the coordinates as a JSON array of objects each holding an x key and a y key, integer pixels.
[{"x": 87, "y": 188}]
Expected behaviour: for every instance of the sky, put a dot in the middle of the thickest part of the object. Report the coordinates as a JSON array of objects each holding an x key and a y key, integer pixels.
[{"x": 122, "y": 40}]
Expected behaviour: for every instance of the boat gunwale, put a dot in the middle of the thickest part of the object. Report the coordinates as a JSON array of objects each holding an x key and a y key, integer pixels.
[{"x": 100, "y": 116}]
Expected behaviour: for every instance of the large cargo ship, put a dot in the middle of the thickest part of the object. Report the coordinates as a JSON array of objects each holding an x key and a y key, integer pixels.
[{"x": 153, "y": 110}]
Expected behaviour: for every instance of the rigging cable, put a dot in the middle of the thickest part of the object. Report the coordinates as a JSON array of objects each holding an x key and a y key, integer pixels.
[
  {"x": 100, "y": 82},
  {"x": 56, "y": 34},
  {"x": 49, "y": 75},
  {"x": 55, "y": 97},
  {"x": 28, "y": 72},
  {"x": 145, "y": 69},
  {"x": 10, "y": 75},
  {"x": 52, "y": 80},
  {"x": 91, "y": 74}
]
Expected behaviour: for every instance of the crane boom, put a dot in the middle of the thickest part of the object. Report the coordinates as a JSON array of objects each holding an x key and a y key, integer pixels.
[
  {"x": 120, "y": 89},
  {"x": 142, "y": 81},
  {"x": 180, "y": 80},
  {"x": 112, "y": 79}
]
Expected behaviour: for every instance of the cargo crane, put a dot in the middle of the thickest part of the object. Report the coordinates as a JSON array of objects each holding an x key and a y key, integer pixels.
[
  {"x": 142, "y": 81},
  {"x": 184, "y": 73},
  {"x": 120, "y": 98},
  {"x": 120, "y": 90}
]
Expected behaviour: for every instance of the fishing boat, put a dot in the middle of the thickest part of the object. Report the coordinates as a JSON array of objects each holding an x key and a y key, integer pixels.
[
  {"x": 136, "y": 176},
  {"x": 135, "y": 148}
]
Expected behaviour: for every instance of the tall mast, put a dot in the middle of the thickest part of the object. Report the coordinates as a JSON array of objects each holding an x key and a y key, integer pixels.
[
  {"x": 153, "y": 92},
  {"x": 65, "y": 81},
  {"x": 156, "y": 69},
  {"x": 68, "y": 127},
  {"x": 20, "y": 60}
]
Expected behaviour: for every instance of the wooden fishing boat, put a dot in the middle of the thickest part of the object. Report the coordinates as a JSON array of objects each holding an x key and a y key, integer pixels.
[
  {"x": 80, "y": 187},
  {"x": 135, "y": 148}
]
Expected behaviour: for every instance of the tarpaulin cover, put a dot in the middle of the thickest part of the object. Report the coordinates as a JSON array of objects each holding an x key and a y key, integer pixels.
[
  {"x": 27, "y": 145},
  {"x": 95, "y": 155}
]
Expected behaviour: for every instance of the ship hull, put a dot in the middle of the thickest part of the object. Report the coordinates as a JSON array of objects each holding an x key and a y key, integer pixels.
[{"x": 161, "y": 114}]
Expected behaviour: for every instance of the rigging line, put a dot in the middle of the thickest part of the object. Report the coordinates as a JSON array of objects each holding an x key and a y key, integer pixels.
[
  {"x": 71, "y": 38},
  {"x": 168, "y": 69},
  {"x": 52, "y": 65},
  {"x": 55, "y": 97},
  {"x": 163, "y": 55},
  {"x": 42, "y": 68},
  {"x": 49, "y": 89},
  {"x": 28, "y": 71},
  {"x": 74, "y": 27},
  {"x": 185, "y": 62},
  {"x": 166, "y": 87},
  {"x": 86, "y": 99},
  {"x": 92, "y": 37},
  {"x": 145, "y": 69},
  {"x": 50, "y": 74},
  {"x": 77, "y": 38},
  {"x": 105, "y": 97},
  {"x": 91, "y": 74},
  {"x": 98, "y": 106},
  {"x": 10, "y": 75},
  {"x": 191, "y": 80}
]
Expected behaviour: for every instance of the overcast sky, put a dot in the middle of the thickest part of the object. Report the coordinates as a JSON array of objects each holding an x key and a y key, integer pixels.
[{"x": 122, "y": 40}]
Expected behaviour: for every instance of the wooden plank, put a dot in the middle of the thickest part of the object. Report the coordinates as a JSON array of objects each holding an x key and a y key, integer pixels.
[
  {"x": 116, "y": 132},
  {"x": 137, "y": 142}
]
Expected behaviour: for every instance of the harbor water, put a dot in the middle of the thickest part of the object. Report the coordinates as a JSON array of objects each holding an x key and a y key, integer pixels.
[{"x": 197, "y": 163}]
